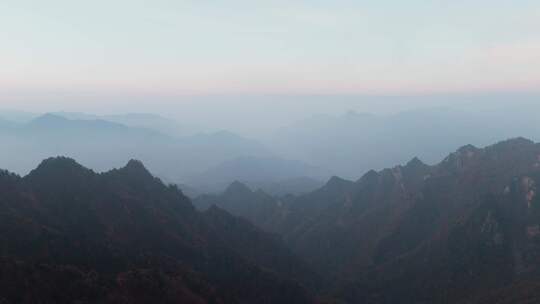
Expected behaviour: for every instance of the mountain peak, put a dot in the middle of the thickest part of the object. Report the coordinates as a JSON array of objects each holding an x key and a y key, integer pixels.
[
  {"x": 60, "y": 162},
  {"x": 48, "y": 119},
  {"x": 335, "y": 183},
  {"x": 59, "y": 169},
  {"x": 237, "y": 187},
  {"x": 135, "y": 168},
  {"x": 371, "y": 175},
  {"x": 415, "y": 163},
  {"x": 335, "y": 180},
  {"x": 467, "y": 148},
  {"x": 514, "y": 142},
  {"x": 135, "y": 164}
]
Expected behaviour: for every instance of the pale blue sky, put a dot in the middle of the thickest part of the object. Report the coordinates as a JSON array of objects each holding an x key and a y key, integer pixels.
[{"x": 166, "y": 47}]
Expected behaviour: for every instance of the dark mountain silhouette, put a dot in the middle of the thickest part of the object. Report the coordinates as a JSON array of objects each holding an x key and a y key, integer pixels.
[
  {"x": 463, "y": 231},
  {"x": 70, "y": 235}
]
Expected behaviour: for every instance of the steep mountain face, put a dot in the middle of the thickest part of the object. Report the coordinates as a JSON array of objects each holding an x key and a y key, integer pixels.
[
  {"x": 71, "y": 235},
  {"x": 447, "y": 233}
]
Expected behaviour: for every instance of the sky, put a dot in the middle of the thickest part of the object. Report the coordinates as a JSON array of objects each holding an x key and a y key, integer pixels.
[{"x": 182, "y": 48}]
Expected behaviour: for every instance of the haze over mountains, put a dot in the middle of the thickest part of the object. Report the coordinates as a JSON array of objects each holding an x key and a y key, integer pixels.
[
  {"x": 357, "y": 142},
  {"x": 102, "y": 144},
  {"x": 269, "y": 152},
  {"x": 443, "y": 227},
  {"x": 297, "y": 158},
  {"x": 465, "y": 230}
]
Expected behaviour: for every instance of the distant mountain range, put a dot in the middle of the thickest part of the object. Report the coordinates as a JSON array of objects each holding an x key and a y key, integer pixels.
[
  {"x": 203, "y": 162},
  {"x": 357, "y": 142},
  {"x": 465, "y": 230},
  {"x": 294, "y": 160},
  {"x": 138, "y": 120},
  {"x": 101, "y": 144}
]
